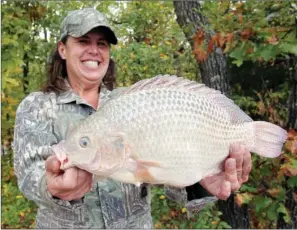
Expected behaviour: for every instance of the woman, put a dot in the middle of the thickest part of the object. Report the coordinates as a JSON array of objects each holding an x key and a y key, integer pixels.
[{"x": 80, "y": 78}]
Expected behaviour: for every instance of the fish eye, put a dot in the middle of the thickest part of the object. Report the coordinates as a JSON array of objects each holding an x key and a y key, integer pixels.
[{"x": 84, "y": 142}]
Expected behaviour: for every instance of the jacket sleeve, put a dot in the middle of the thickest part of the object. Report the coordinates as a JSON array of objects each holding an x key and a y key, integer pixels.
[
  {"x": 193, "y": 197},
  {"x": 33, "y": 137}
]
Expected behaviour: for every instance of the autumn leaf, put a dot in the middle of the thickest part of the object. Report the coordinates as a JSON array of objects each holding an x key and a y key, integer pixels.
[
  {"x": 163, "y": 56},
  {"x": 147, "y": 40},
  {"x": 210, "y": 45},
  {"x": 172, "y": 213},
  {"x": 167, "y": 42},
  {"x": 240, "y": 18},
  {"x": 274, "y": 192},
  {"x": 250, "y": 50},
  {"x": 229, "y": 37},
  {"x": 200, "y": 54},
  {"x": 243, "y": 198},
  {"x": 199, "y": 37},
  {"x": 292, "y": 134},
  {"x": 220, "y": 40},
  {"x": 288, "y": 170},
  {"x": 228, "y": 17},
  {"x": 239, "y": 5},
  {"x": 294, "y": 146},
  {"x": 261, "y": 107},
  {"x": 273, "y": 40},
  {"x": 291, "y": 143},
  {"x": 246, "y": 33}
]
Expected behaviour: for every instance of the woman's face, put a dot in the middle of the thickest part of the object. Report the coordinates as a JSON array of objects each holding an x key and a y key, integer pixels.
[{"x": 87, "y": 58}]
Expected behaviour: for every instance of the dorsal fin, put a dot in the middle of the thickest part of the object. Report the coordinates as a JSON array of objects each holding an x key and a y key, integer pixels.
[{"x": 179, "y": 83}]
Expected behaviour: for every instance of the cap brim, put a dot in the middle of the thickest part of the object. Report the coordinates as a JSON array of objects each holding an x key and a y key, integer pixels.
[{"x": 109, "y": 34}]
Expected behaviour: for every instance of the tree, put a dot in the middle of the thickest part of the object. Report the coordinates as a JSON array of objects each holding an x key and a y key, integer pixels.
[{"x": 214, "y": 74}]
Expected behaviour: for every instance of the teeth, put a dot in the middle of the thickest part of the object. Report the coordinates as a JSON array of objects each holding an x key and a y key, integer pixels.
[{"x": 90, "y": 63}]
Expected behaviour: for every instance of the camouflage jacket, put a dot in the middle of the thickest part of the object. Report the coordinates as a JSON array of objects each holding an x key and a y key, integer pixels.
[{"x": 41, "y": 121}]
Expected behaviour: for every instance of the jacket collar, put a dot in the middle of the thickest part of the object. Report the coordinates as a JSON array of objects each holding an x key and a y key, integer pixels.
[{"x": 69, "y": 96}]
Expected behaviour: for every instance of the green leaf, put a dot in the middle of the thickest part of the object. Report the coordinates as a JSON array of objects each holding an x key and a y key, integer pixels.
[
  {"x": 289, "y": 48},
  {"x": 283, "y": 209},
  {"x": 12, "y": 81},
  {"x": 292, "y": 182},
  {"x": 248, "y": 188},
  {"x": 269, "y": 52},
  {"x": 224, "y": 225},
  {"x": 239, "y": 54},
  {"x": 272, "y": 213},
  {"x": 261, "y": 203},
  {"x": 238, "y": 62}
]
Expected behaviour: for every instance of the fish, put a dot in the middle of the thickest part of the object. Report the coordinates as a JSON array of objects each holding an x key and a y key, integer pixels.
[{"x": 165, "y": 130}]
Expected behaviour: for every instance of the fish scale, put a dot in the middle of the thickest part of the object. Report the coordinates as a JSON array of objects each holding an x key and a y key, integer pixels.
[{"x": 166, "y": 130}]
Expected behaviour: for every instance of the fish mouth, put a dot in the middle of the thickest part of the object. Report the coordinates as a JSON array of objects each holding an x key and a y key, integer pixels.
[{"x": 62, "y": 155}]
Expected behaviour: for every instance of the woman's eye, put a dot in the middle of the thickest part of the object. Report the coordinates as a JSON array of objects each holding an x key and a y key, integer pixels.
[
  {"x": 102, "y": 44},
  {"x": 84, "y": 142},
  {"x": 83, "y": 41}
]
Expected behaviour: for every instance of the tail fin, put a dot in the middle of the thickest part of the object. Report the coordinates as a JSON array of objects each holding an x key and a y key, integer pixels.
[{"x": 268, "y": 139}]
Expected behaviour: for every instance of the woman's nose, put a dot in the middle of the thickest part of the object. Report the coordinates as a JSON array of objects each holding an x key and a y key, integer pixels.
[{"x": 93, "y": 49}]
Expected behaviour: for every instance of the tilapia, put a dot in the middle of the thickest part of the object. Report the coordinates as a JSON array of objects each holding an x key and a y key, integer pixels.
[{"x": 165, "y": 130}]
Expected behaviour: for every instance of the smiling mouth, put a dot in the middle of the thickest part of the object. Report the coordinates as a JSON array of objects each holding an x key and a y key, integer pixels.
[{"x": 91, "y": 64}]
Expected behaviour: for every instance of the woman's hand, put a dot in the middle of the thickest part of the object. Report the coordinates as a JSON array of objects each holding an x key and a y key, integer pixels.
[
  {"x": 237, "y": 169},
  {"x": 71, "y": 184}
]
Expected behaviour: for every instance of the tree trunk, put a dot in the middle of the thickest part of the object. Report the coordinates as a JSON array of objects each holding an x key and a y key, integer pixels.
[
  {"x": 292, "y": 118},
  {"x": 214, "y": 74},
  {"x": 213, "y": 70},
  {"x": 291, "y": 202},
  {"x": 25, "y": 72}
]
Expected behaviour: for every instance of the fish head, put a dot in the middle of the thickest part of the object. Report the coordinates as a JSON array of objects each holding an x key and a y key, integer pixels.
[{"x": 101, "y": 153}]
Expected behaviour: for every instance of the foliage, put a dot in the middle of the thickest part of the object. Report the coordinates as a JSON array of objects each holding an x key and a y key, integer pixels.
[
  {"x": 265, "y": 192},
  {"x": 249, "y": 30},
  {"x": 151, "y": 43},
  {"x": 268, "y": 105},
  {"x": 169, "y": 214},
  {"x": 16, "y": 210},
  {"x": 134, "y": 62}
]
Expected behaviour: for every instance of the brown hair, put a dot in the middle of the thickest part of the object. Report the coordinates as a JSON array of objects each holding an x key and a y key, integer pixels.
[{"x": 57, "y": 73}]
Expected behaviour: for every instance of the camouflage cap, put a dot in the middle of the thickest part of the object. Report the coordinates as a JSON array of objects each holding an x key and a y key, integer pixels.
[{"x": 79, "y": 22}]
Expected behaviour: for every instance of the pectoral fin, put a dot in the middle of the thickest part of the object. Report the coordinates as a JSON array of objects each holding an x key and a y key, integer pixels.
[
  {"x": 145, "y": 163},
  {"x": 144, "y": 175},
  {"x": 142, "y": 171}
]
